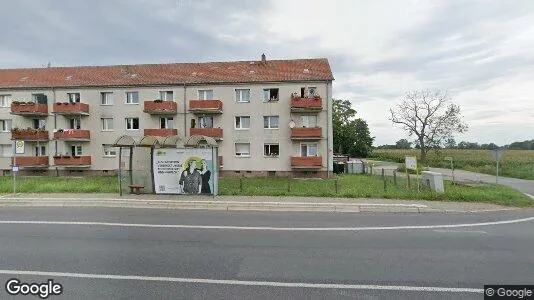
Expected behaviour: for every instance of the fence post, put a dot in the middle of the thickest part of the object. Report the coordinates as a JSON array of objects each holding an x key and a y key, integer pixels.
[
  {"x": 385, "y": 183},
  {"x": 241, "y": 185},
  {"x": 409, "y": 185},
  {"x": 289, "y": 184},
  {"x": 383, "y": 176},
  {"x": 395, "y": 177},
  {"x": 337, "y": 185}
]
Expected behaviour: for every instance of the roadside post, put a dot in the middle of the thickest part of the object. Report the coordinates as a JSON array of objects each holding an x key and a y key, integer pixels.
[
  {"x": 17, "y": 149},
  {"x": 497, "y": 155},
  {"x": 411, "y": 163},
  {"x": 451, "y": 159}
]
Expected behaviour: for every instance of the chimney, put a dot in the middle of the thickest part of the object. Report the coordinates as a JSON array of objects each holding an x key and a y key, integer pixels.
[{"x": 263, "y": 58}]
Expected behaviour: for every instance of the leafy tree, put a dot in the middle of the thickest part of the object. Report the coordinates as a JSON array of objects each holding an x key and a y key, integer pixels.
[
  {"x": 429, "y": 116},
  {"x": 403, "y": 144},
  {"x": 450, "y": 143},
  {"x": 351, "y": 134}
]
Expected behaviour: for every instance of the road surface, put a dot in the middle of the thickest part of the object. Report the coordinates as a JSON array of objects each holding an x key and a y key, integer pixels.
[{"x": 118, "y": 253}]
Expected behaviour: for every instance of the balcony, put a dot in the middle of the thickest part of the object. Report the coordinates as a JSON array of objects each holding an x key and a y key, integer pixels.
[
  {"x": 70, "y": 108},
  {"x": 72, "y": 161},
  {"x": 29, "y": 134},
  {"x": 205, "y": 106},
  {"x": 31, "y": 161},
  {"x": 161, "y": 132},
  {"x": 29, "y": 109},
  {"x": 158, "y": 107},
  {"x": 306, "y": 104},
  {"x": 303, "y": 133},
  {"x": 73, "y": 135},
  {"x": 216, "y": 133},
  {"x": 306, "y": 162}
]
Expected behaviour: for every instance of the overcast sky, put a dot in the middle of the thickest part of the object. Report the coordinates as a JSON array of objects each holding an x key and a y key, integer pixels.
[{"x": 480, "y": 51}]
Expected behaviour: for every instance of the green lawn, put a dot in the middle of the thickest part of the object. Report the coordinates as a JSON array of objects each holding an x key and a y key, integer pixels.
[{"x": 350, "y": 186}]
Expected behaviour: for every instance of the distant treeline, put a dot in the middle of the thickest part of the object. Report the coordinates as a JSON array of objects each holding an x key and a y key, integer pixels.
[{"x": 451, "y": 144}]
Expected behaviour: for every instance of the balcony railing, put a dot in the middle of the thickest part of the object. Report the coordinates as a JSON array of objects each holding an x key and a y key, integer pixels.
[
  {"x": 161, "y": 132},
  {"x": 158, "y": 107},
  {"x": 306, "y": 104},
  {"x": 73, "y": 135},
  {"x": 216, "y": 133},
  {"x": 72, "y": 161},
  {"x": 29, "y": 109},
  {"x": 29, "y": 134},
  {"x": 206, "y": 106},
  {"x": 303, "y": 133},
  {"x": 31, "y": 161},
  {"x": 306, "y": 161},
  {"x": 71, "y": 108}
]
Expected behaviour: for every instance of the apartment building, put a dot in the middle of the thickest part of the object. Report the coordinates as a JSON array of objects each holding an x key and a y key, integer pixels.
[{"x": 269, "y": 117}]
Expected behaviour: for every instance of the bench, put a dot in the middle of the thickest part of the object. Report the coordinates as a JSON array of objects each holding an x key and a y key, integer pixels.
[{"x": 136, "y": 188}]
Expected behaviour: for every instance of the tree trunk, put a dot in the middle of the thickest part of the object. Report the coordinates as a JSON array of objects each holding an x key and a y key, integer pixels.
[{"x": 423, "y": 151}]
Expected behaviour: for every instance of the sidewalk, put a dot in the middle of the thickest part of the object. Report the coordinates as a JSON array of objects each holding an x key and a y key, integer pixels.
[{"x": 258, "y": 203}]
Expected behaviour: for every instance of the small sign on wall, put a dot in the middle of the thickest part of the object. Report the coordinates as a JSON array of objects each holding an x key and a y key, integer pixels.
[{"x": 411, "y": 162}]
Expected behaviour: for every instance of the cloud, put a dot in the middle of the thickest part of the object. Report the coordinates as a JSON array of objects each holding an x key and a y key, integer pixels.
[{"x": 478, "y": 50}]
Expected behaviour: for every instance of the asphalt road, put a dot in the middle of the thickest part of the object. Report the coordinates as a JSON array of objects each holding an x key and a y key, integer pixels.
[{"x": 93, "y": 252}]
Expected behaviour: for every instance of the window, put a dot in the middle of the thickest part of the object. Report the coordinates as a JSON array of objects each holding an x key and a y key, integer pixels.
[
  {"x": 242, "y": 149},
  {"x": 308, "y": 121},
  {"x": 308, "y": 92},
  {"x": 270, "y": 122},
  {"x": 109, "y": 151},
  {"x": 6, "y": 150},
  {"x": 205, "y": 94},
  {"x": 242, "y": 95},
  {"x": 308, "y": 149},
  {"x": 271, "y": 149},
  {"x": 5, "y": 125},
  {"x": 40, "y": 150},
  {"x": 242, "y": 122},
  {"x": 132, "y": 123},
  {"x": 166, "y": 123},
  {"x": 40, "y": 98},
  {"x": 39, "y": 123},
  {"x": 76, "y": 150},
  {"x": 166, "y": 95},
  {"x": 132, "y": 97},
  {"x": 73, "y": 97},
  {"x": 205, "y": 122},
  {"x": 5, "y": 100},
  {"x": 75, "y": 123},
  {"x": 106, "y": 98},
  {"x": 270, "y": 95},
  {"x": 107, "y": 124}
]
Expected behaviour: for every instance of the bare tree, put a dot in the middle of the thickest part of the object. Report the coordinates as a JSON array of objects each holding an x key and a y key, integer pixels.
[{"x": 429, "y": 115}]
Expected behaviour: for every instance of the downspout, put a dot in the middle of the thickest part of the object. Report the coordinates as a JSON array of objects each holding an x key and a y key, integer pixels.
[
  {"x": 185, "y": 112},
  {"x": 328, "y": 117}
]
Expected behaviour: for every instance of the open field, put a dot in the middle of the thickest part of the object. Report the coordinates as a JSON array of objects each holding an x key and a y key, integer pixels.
[
  {"x": 515, "y": 163},
  {"x": 350, "y": 186}
]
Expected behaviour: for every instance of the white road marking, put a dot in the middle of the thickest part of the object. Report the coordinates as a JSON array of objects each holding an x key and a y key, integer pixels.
[
  {"x": 266, "y": 228},
  {"x": 460, "y": 231},
  {"x": 248, "y": 283}
]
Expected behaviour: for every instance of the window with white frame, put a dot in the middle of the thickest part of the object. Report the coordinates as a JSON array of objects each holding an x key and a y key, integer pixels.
[
  {"x": 166, "y": 95},
  {"x": 308, "y": 149},
  {"x": 107, "y": 124},
  {"x": 132, "y": 97},
  {"x": 109, "y": 151},
  {"x": 271, "y": 149},
  {"x": 270, "y": 95},
  {"x": 40, "y": 150},
  {"x": 205, "y": 94},
  {"x": 270, "y": 122},
  {"x": 5, "y": 125},
  {"x": 76, "y": 150},
  {"x": 166, "y": 122},
  {"x": 6, "y": 150},
  {"x": 205, "y": 122},
  {"x": 106, "y": 98},
  {"x": 5, "y": 100},
  {"x": 242, "y": 95},
  {"x": 75, "y": 123},
  {"x": 73, "y": 97},
  {"x": 308, "y": 121},
  {"x": 242, "y": 122},
  {"x": 132, "y": 123},
  {"x": 242, "y": 149}
]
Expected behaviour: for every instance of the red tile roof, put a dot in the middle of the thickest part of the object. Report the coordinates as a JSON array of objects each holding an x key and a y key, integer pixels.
[{"x": 168, "y": 74}]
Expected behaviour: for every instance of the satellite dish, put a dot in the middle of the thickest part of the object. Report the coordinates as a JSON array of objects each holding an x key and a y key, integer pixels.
[{"x": 291, "y": 124}]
